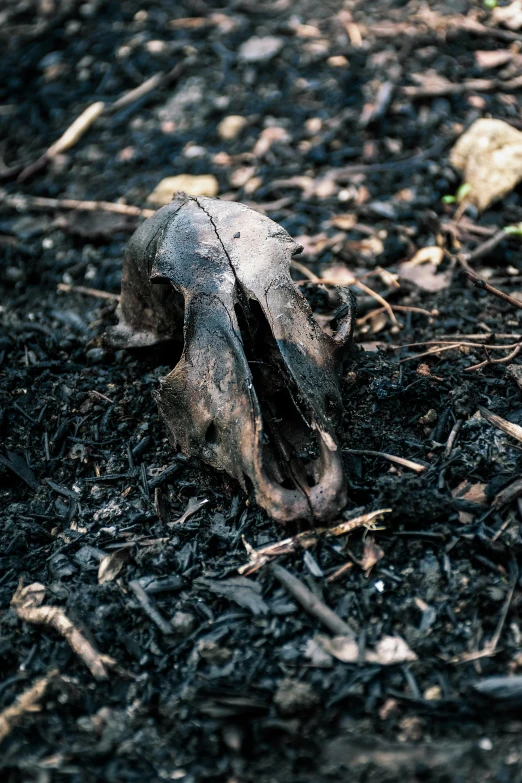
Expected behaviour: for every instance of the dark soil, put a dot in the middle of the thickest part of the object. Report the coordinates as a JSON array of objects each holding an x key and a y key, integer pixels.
[{"x": 85, "y": 466}]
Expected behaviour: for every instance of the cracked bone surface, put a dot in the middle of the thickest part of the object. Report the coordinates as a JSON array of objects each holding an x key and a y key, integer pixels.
[{"x": 256, "y": 391}]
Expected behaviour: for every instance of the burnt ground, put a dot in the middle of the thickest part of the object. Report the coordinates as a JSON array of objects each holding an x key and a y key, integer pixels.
[{"x": 85, "y": 466}]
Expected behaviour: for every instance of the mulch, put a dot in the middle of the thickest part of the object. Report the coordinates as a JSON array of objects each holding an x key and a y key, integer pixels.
[{"x": 213, "y": 675}]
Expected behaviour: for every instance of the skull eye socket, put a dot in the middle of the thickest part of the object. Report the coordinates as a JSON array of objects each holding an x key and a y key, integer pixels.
[{"x": 211, "y": 434}]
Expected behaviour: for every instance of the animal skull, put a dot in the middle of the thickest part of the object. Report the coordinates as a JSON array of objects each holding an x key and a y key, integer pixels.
[{"x": 256, "y": 391}]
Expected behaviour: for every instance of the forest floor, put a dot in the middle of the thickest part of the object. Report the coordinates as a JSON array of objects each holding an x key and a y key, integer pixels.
[{"x": 348, "y": 122}]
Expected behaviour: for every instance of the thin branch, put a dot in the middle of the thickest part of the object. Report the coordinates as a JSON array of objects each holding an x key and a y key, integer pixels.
[
  {"x": 485, "y": 248},
  {"x": 26, "y": 603},
  {"x": 81, "y": 289},
  {"x": 67, "y": 140},
  {"x": 433, "y": 352},
  {"x": 378, "y": 298},
  {"x": 307, "y": 539},
  {"x": 453, "y": 436},
  {"x": 158, "y": 81},
  {"x": 26, "y": 702},
  {"x": 495, "y": 291},
  {"x": 501, "y": 360},
  {"x": 21, "y": 202},
  {"x": 150, "y": 608},
  {"x": 311, "y": 603},
  {"x": 506, "y": 426},
  {"x": 406, "y": 463},
  {"x": 398, "y": 308},
  {"x": 460, "y": 342}
]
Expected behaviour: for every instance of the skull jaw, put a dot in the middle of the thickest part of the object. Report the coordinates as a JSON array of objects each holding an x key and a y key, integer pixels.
[
  {"x": 253, "y": 466},
  {"x": 319, "y": 503},
  {"x": 217, "y": 411}
]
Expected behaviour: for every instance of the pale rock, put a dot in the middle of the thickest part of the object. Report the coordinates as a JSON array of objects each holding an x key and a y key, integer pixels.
[
  {"x": 201, "y": 185},
  {"x": 230, "y": 127},
  {"x": 260, "y": 50},
  {"x": 489, "y": 156}
]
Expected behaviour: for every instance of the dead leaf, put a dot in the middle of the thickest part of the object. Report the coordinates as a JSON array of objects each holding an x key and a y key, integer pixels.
[
  {"x": 244, "y": 592},
  {"x": 391, "y": 650},
  {"x": 489, "y": 155},
  {"x": 378, "y": 322},
  {"x": 239, "y": 177},
  {"x": 371, "y": 555},
  {"x": 344, "y": 222},
  {"x": 201, "y": 185},
  {"x": 111, "y": 565},
  {"x": 317, "y": 655},
  {"x": 432, "y": 253},
  {"x": 431, "y": 81},
  {"x": 193, "y": 507},
  {"x": 388, "y": 651},
  {"x": 509, "y": 15},
  {"x": 472, "y": 492},
  {"x": 493, "y": 59},
  {"x": 425, "y": 276}
]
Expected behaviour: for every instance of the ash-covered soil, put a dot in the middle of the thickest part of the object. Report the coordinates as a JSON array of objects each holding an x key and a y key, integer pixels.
[{"x": 231, "y": 682}]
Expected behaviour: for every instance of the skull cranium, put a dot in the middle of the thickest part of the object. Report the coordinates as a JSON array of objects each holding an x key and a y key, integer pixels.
[{"x": 256, "y": 391}]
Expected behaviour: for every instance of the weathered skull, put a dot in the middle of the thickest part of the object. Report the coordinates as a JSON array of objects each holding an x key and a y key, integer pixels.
[{"x": 256, "y": 391}]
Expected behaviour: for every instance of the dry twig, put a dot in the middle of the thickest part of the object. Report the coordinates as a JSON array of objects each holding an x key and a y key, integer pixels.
[
  {"x": 27, "y": 604},
  {"x": 307, "y": 539},
  {"x": 310, "y": 602},
  {"x": 406, "y": 463},
  {"x": 489, "y": 360},
  {"x": 150, "y": 608},
  {"x": 22, "y": 202},
  {"x": 67, "y": 140},
  {"x": 398, "y": 308},
  {"x": 453, "y": 436},
  {"x": 440, "y": 89},
  {"x": 495, "y": 291},
  {"x": 506, "y": 426},
  {"x": 81, "y": 289},
  {"x": 431, "y": 352},
  {"x": 25, "y": 703}
]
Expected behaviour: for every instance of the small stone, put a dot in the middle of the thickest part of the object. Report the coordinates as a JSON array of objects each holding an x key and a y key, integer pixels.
[
  {"x": 213, "y": 653},
  {"x": 202, "y": 185},
  {"x": 337, "y": 61},
  {"x": 260, "y": 50},
  {"x": 252, "y": 185},
  {"x": 95, "y": 355},
  {"x": 433, "y": 694},
  {"x": 429, "y": 418},
  {"x": 183, "y": 623},
  {"x": 514, "y": 371},
  {"x": 293, "y": 697},
  {"x": 230, "y": 127}
]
